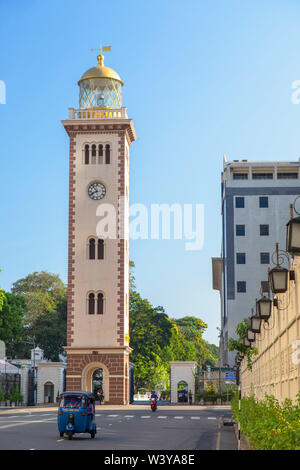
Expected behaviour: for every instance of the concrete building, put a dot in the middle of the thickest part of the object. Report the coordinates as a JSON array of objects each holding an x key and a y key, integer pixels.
[
  {"x": 255, "y": 208},
  {"x": 100, "y": 135},
  {"x": 182, "y": 376}
]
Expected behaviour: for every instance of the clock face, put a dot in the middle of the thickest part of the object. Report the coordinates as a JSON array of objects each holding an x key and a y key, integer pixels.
[{"x": 96, "y": 191}]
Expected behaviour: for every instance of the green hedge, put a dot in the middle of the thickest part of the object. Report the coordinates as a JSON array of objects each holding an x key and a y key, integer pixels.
[{"x": 268, "y": 424}]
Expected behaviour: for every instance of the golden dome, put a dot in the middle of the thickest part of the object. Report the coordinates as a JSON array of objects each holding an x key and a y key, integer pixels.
[{"x": 100, "y": 71}]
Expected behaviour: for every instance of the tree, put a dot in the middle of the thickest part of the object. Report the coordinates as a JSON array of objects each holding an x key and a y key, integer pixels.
[
  {"x": 150, "y": 332},
  {"x": 11, "y": 318},
  {"x": 195, "y": 347},
  {"x": 2, "y": 296},
  {"x": 43, "y": 291},
  {"x": 50, "y": 331}
]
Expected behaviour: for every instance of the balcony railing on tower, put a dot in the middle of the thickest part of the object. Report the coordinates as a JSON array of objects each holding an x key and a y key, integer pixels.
[{"x": 98, "y": 113}]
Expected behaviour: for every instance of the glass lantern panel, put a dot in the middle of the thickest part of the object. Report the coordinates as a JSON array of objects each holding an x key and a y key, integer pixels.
[
  {"x": 265, "y": 308},
  {"x": 255, "y": 324},
  {"x": 250, "y": 335},
  {"x": 280, "y": 281},
  {"x": 295, "y": 235},
  {"x": 100, "y": 93}
]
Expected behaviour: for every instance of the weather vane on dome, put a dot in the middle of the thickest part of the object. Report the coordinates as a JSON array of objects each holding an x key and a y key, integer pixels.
[{"x": 100, "y": 56}]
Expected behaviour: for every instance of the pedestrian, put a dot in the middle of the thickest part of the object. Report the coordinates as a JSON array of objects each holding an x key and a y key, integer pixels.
[
  {"x": 190, "y": 397},
  {"x": 100, "y": 395}
]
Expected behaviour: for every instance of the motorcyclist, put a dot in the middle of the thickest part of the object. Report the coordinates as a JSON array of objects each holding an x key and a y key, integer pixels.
[{"x": 153, "y": 395}]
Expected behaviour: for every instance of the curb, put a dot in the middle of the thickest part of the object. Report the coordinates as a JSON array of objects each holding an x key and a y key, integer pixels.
[{"x": 245, "y": 444}]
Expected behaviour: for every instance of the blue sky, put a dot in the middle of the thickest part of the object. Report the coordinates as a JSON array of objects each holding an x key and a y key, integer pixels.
[{"x": 202, "y": 79}]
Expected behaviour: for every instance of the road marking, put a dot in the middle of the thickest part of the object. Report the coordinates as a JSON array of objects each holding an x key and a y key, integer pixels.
[
  {"x": 212, "y": 417},
  {"x": 195, "y": 417},
  {"x": 129, "y": 416},
  {"x": 161, "y": 417},
  {"x": 113, "y": 416},
  {"x": 27, "y": 422},
  {"x": 178, "y": 417},
  {"x": 218, "y": 441},
  {"x": 145, "y": 417}
]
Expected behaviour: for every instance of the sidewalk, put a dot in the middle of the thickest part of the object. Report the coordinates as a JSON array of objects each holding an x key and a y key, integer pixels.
[{"x": 53, "y": 406}]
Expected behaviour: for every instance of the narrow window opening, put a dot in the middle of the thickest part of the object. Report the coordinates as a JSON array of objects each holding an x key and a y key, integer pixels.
[
  {"x": 100, "y": 249},
  {"x": 100, "y": 154},
  {"x": 91, "y": 304},
  {"x": 92, "y": 249},
  {"x": 87, "y": 154},
  {"x": 107, "y": 154},
  {"x": 100, "y": 304},
  {"x": 93, "y": 154}
]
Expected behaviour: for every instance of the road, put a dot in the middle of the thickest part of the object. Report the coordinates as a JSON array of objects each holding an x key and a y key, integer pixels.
[{"x": 132, "y": 427}]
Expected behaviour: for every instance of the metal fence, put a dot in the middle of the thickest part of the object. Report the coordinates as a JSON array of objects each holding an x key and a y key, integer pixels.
[{"x": 8, "y": 382}]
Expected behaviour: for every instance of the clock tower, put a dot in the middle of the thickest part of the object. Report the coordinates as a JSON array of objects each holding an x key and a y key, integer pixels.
[{"x": 100, "y": 135}]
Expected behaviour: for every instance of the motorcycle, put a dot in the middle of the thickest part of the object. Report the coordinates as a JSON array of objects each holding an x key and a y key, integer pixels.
[{"x": 153, "y": 404}]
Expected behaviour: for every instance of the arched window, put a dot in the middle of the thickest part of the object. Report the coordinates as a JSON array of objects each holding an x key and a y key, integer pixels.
[
  {"x": 92, "y": 248},
  {"x": 94, "y": 153},
  {"x": 87, "y": 154},
  {"x": 100, "y": 249},
  {"x": 100, "y": 154},
  {"x": 107, "y": 154},
  {"x": 48, "y": 392},
  {"x": 91, "y": 304},
  {"x": 100, "y": 304}
]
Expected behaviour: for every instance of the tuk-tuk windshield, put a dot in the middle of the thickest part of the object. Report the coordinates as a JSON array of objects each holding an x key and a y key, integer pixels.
[{"x": 73, "y": 401}]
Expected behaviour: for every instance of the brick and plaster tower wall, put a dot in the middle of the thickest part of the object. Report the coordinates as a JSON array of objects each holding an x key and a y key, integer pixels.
[{"x": 98, "y": 258}]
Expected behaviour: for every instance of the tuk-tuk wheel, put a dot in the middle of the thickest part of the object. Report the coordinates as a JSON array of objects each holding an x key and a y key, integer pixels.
[
  {"x": 93, "y": 434},
  {"x": 61, "y": 434},
  {"x": 70, "y": 435}
]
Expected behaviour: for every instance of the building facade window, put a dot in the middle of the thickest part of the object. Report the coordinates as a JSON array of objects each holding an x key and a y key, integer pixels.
[
  {"x": 100, "y": 304},
  {"x": 265, "y": 258},
  {"x": 100, "y": 249},
  {"x": 264, "y": 230},
  {"x": 241, "y": 286},
  {"x": 95, "y": 248},
  {"x": 92, "y": 248},
  {"x": 240, "y": 230},
  {"x": 87, "y": 154},
  {"x": 240, "y": 202},
  {"x": 265, "y": 286},
  {"x": 241, "y": 258},
  {"x": 262, "y": 176},
  {"x": 107, "y": 154},
  {"x": 97, "y": 153},
  {"x": 91, "y": 304},
  {"x": 95, "y": 303},
  {"x": 263, "y": 201},
  {"x": 240, "y": 176},
  {"x": 287, "y": 176}
]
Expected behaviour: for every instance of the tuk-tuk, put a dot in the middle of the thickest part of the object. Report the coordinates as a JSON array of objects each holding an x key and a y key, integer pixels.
[{"x": 76, "y": 413}]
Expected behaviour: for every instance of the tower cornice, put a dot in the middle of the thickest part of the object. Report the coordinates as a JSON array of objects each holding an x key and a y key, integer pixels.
[{"x": 76, "y": 126}]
